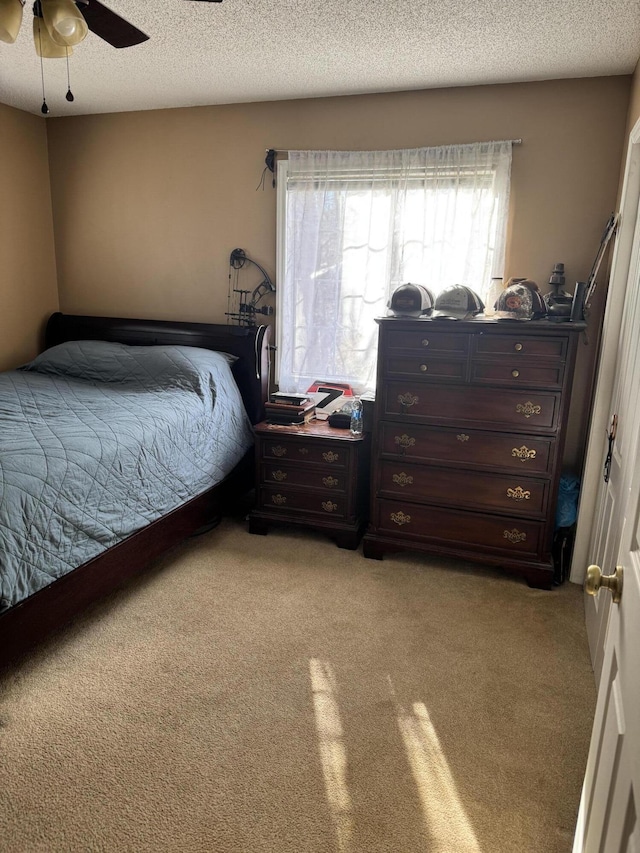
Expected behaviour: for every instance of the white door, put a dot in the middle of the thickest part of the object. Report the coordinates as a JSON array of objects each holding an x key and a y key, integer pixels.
[
  {"x": 606, "y": 541},
  {"x": 599, "y": 525},
  {"x": 620, "y": 440},
  {"x": 609, "y": 816}
]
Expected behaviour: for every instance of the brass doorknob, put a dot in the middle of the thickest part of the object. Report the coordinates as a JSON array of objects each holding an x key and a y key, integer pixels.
[{"x": 595, "y": 579}]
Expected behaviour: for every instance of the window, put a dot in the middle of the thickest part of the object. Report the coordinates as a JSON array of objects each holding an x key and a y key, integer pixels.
[{"x": 353, "y": 225}]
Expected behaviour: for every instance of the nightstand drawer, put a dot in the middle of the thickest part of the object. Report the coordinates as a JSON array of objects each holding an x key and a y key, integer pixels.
[
  {"x": 303, "y": 477},
  {"x": 458, "y": 528},
  {"x": 413, "y": 442},
  {"x": 484, "y": 491},
  {"x": 325, "y": 453},
  {"x": 292, "y": 502}
]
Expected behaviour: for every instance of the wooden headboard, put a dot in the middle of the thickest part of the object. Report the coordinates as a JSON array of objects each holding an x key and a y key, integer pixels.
[{"x": 250, "y": 345}]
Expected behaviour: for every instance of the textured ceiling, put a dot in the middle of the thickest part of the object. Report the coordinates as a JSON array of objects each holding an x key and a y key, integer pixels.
[{"x": 256, "y": 50}]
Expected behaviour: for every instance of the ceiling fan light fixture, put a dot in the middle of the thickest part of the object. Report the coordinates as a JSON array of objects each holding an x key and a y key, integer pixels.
[
  {"x": 10, "y": 20},
  {"x": 44, "y": 44},
  {"x": 64, "y": 22}
]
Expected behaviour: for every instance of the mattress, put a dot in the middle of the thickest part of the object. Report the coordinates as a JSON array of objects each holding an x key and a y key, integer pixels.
[{"x": 99, "y": 439}]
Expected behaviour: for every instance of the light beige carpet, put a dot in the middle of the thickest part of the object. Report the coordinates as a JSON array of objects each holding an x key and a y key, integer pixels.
[{"x": 279, "y": 695}]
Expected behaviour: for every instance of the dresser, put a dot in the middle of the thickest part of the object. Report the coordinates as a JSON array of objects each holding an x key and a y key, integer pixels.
[
  {"x": 314, "y": 476},
  {"x": 469, "y": 428}
]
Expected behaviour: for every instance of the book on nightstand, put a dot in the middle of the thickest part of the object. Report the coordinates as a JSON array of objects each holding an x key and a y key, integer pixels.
[
  {"x": 282, "y": 398},
  {"x": 281, "y": 413}
]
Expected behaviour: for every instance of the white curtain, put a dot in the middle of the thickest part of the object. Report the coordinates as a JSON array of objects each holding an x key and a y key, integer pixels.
[{"x": 356, "y": 224}]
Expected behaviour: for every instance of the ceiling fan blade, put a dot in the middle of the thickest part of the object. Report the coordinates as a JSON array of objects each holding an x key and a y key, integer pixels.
[{"x": 109, "y": 26}]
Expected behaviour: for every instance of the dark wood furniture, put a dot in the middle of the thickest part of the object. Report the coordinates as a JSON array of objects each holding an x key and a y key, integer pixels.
[
  {"x": 312, "y": 475},
  {"x": 30, "y": 621},
  {"x": 470, "y": 422}
]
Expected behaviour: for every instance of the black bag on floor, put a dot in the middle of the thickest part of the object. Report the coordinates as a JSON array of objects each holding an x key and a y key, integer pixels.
[{"x": 561, "y": 550}]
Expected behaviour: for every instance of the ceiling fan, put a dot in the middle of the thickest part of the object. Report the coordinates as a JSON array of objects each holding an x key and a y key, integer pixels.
[
  {"x": 58, "y": 25},
  {"x": 66, "y": 24},
  {"x": 111, "y": 27}
]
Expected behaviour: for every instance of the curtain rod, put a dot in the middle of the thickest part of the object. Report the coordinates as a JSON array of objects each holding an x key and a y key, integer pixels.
[{"x": 512, "y": 141}]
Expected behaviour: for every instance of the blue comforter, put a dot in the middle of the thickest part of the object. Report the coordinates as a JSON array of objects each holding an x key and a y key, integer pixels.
[{"x": 99, "y": 439}]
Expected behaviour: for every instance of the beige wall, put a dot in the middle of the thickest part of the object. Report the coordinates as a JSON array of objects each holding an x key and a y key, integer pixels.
[
  {"x": 147, "y": 206},
  {"x": 28, "y": 292}
]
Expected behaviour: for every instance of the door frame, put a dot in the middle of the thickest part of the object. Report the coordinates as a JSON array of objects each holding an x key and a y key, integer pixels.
[{"x": 623, "y": 255}]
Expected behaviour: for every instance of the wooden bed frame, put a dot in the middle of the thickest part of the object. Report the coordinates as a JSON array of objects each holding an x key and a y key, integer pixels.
[{"x": 31, "y": 620}]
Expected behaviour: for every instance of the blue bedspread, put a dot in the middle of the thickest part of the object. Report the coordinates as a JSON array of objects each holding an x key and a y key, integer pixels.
[{"x": 97, "y": 440}]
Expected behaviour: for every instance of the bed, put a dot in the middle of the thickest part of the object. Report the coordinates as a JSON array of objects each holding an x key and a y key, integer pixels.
[{"x": 120, "y": 439}]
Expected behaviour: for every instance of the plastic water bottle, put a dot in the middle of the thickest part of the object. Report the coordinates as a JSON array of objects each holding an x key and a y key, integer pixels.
[
  {"x": 356, "y": 417},
  {"x": 495, "y": 289}
]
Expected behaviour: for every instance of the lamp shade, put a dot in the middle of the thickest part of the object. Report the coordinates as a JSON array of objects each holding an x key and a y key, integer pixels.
[
  {"x": 64, "y": 21},
  {"x": 10, "y": 20},
  {"x": 45, "y": 46}
]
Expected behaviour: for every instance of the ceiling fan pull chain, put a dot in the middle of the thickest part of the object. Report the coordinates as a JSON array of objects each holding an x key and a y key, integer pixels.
[
  {"x": 69, "y": 95},
  {"x": 44, "y": 109}
]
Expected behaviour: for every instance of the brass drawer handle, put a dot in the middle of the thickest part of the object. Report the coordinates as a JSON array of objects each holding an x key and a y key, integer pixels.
[
  {"x": 407, "y": 400},
  {"x": 523, "y": 453},
  {"x": 279, "y": 451},
  {"x": 402, "y": 479},
  {"x": 462, "y": 437},
  {"x": 404, "y": 441},
  {"x": 515, "y": 373},
  {"x": 328, "y": 506},
  {"x": 278, "y": 499},
  {"x": 400, "y": 518},
  {"x": 518, "y": 494},
  {"x": 424, "y": 368},
  {"x": 517, "y": 347},
  {"x": 330, "y": 456},
  {"x": 329, "y": 482},
  {"x": 515, "y": 536},
  {"x": 279, "y": 475},
  {"x": 527, "y": 409},
  {"x": 425, "y": 342}
]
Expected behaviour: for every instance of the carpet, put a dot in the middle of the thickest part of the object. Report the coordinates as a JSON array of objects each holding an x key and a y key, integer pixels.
[{"x": 277, "y": 694}]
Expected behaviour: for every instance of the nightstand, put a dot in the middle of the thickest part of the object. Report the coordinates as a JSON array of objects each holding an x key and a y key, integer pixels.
[{"x": 312, "y": 475}]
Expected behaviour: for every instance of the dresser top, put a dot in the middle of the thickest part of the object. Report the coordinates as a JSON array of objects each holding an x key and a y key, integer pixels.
[{"x": 482, "y": 323}]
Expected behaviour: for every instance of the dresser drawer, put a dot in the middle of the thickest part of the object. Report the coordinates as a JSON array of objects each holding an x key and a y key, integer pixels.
[
  {"x": 503, "y": 535},
  {"x": 427, "y": 339},
  {"x": 274, "y": 473},
  {"x": 475, "y": 448},
  {"x": 523, "y": 347},
  {"x": 509, "y": 372},
  {"x": 521, "y": 496},
  {"x": 502, "y": 409},
  {"x": 333, "y": 454},
  {"x": 292, "y": 502},
  {"x": 426, "y": 367}
]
